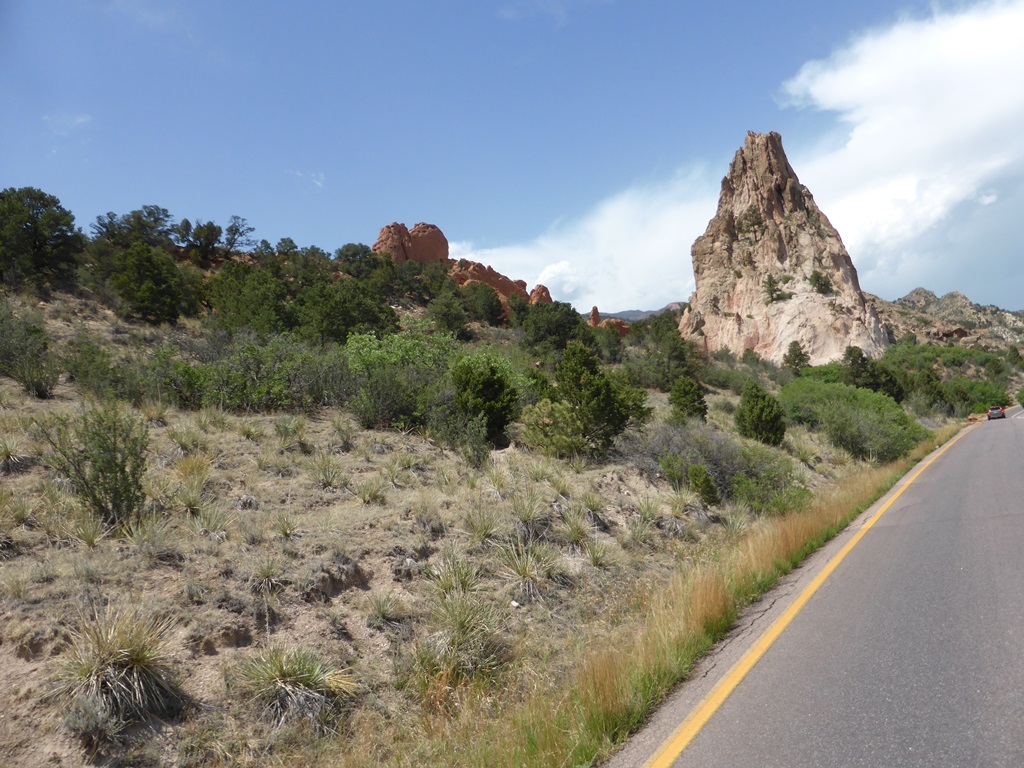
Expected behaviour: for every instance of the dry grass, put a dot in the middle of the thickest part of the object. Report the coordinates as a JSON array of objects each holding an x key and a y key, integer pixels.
[{"x": 382, "y": 554}]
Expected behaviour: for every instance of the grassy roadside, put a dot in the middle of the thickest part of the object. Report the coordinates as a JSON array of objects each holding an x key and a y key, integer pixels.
[{"x": 617, "y": 686}]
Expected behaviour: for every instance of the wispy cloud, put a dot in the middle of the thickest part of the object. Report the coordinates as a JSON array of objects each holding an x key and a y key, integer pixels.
[
  {"x": 316, "y": 178},
  {"x": 66, "y": 124}
]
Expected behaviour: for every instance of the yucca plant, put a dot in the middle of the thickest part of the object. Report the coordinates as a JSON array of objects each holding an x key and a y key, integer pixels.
[
  {"x": 327, "y": 473},
  {"x": 154, "y": 411},
  {"x": 384, "y": 609},
  {"x": 344, "y": 433},
  {"x": 153, "y": 538},
  {"x": 86, "y": 529},
  {"x": 372, "y": 491},
  {"x": 576, "y": 525},
  {"x": 527, "y": 564},
  {"x": 12, "y": 456},
  {"x": 454, "y": 573},
  {"x": 267, "y": 577},
  {"x": 211, "y": 522},
  {"x": 483, "y": 523},
  {"x": 187, "y": 439},
  {"x": 121, "y": 660},
  {"x": 250, "y": 430},
  {"x": 291, "y": 432},
  {"x": 285, "y": 685}
]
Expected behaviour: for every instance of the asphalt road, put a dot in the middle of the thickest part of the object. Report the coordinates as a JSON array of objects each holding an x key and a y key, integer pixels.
[{"x": 910, "y": 654}]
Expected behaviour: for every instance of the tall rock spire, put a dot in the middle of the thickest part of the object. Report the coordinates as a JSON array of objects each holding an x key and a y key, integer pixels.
[{"x": 771, "y": 269}]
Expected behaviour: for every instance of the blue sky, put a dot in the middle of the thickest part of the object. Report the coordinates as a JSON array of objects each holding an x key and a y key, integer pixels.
[{"x": 579, "y": 143}]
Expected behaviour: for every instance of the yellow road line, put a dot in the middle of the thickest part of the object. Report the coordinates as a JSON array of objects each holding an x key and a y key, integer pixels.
[{"x": 690, "y": 727}]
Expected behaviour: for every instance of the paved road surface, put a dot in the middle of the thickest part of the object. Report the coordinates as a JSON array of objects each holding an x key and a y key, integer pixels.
[{"x": 910, "y": 654}]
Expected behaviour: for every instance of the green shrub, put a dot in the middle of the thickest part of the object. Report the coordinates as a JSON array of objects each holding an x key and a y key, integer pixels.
[
  {"x": 761, "y": 477},
  {"x": 552, "y": 427},
  {"x": 602, "y": 404},
  {"x": 448, "y": 314},
  {"x": 39, "y": 242},
  {"x": 821, "y": 283},
  {"x": 658, "y": 357},
  {"x": 482, "y": 304},
  {"x": 759, "y": 415},
  {"x": 279, "y": 375},
  {"x": 25, "y": 353},
  {"x": 484, "y": 386},
  {"x": 701, "y": 483},
  {"x": 331, "y": 312},
  {"x": 687, "y": 400},
  {"x": 768, "y": 483},
  {"x": 148, "y": 283},
  {"x": 397, "y": 380},
  {"x": 550, "y": 327},
  {"x": 103, "y": 453},
  {"x": 796, "y": 359},
  {"x": 868, "y": 424}
]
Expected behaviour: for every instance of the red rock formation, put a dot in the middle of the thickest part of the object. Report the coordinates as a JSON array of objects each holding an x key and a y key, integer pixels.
[
  {"x": 465, "y": 272},
  {"x": 426, "y": 243},
  {"x": 619, "y": 326},
  {"x": 540, "y": 295},
  {"x": 423, "y": 243}
]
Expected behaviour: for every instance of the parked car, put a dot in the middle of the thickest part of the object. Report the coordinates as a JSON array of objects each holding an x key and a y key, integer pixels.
[{"x": 996, "y": 412}]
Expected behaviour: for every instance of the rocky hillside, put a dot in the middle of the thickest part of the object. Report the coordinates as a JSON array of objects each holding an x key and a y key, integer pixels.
[
  {"x": 771, "y": 269},
  {"x": 951, "y": 319}
]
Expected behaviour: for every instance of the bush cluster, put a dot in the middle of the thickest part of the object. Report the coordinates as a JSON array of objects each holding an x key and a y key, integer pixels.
[
  {"x": 868, "y": 424},
  {"x": 759, "y": 476}
]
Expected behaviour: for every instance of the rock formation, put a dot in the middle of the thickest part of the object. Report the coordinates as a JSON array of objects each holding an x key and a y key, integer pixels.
[
  {"x": 771, "y": 269},
  {"x": 426, "y": 243},
  {"x": 423, "y": 243},
  {"x": 619, "y": 326},
  {"x": 465, "y": 272}
]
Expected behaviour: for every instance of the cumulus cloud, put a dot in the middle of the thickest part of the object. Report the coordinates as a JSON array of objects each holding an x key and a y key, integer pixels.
[
  {"x": 631, "y": 252},
  {"x": 930, "y": 118}
]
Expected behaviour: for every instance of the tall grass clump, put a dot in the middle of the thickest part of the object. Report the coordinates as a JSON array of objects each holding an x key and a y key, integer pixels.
[
  {"x": 118, "y": 670},
  {"x": 286, "y": 685}
]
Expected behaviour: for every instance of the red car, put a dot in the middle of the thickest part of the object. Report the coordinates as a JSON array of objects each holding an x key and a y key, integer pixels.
[{"x": 996, "y": 412}]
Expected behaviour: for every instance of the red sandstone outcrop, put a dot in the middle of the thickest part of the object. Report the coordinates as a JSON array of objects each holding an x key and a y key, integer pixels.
[
  {"x": 540, "y": 295},
  {"x": 426, "y": 243},
  {"x": 465, "y": 272},
  {"x": 619, "y": 326},
  {"x": 423, "y": 243},
  {"x": 771, "y": 269}
]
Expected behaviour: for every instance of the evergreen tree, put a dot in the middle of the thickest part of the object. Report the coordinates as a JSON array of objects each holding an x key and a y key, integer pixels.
[{"x": 759, "y": 415}]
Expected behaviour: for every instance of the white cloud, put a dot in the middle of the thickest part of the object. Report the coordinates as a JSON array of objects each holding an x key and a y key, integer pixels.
[
  {"x": 631, "y": 252},
  {"x": 932, "y": 114}
]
